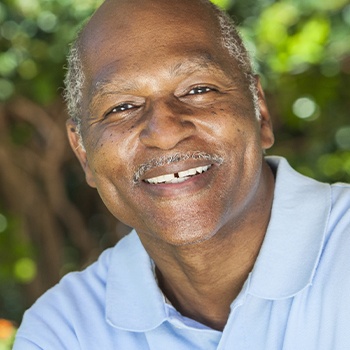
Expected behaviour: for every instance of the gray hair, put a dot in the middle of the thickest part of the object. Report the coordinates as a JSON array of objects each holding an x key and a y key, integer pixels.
[
  {"x": 74, "y": 81},
  {"x": 231, "y": 40}
]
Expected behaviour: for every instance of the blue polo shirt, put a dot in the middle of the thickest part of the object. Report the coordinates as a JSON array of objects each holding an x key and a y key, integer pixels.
[{"x": 296, "y": 297}]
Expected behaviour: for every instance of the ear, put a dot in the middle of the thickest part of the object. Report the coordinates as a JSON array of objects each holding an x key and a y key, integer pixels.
[
  {"x": 266, "y": 131},
  {"x": 78, "y": 148}
]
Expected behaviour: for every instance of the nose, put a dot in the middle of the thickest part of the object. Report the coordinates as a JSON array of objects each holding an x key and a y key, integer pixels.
[{"x": 166, "y": 124}]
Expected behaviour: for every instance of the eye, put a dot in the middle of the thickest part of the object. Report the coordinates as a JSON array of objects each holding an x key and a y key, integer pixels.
[
  {"x": 200, "y": 90},
  {"x": 121, "y": 108}
]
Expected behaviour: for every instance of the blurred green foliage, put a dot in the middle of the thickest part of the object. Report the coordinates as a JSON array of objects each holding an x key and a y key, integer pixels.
[
  {"x": 302, "y": 52},
  {"x": 35, "y": 36}
]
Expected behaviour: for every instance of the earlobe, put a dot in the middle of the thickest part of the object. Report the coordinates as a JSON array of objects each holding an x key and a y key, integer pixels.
[
  {"x": 78, "y": 149},
  {"x": 266, "y": 131}
]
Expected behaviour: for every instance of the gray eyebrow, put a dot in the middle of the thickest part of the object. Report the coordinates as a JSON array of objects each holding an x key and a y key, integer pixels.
[
  {"x": 108, "y": 87},
  {"x": 203, "y": 61}
]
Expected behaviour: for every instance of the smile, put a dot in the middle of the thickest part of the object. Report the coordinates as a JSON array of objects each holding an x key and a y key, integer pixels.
[{"x": 181, "y": 176}]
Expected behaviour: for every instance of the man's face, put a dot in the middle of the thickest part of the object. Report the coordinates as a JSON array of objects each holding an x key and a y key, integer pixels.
[{"x": 172, "y": 141}]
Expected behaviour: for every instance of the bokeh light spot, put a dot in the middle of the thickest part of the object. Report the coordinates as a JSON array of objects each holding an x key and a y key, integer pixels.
[
  {"x": 225, "y": 4},
  {"x": 342, "y": 138},
  {"x": 25, "y": 270},
  {"x": 8, "y": 63},
  {"x": 304, "y": 107},
  {"x": 6, "y": 89},
  {"x": 28, "y": 69},
  {"x": 9, "y": 30},
  {"x": 3, "y": 223},
  {"x": 47, "y": 21}
]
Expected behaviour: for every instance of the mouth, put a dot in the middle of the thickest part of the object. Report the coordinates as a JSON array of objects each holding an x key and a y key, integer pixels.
[{"x": 178, "y": 177}]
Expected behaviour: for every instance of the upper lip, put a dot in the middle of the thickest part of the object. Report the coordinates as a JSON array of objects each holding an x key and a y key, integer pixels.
[{"x": 174, "y": 163}]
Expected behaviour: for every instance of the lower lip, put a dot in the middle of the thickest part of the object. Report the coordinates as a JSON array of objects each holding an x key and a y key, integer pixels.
[{"x": 193, "y": 184}]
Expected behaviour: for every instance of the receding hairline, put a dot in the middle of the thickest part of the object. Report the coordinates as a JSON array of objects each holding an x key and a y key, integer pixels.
[{"x": 101, "y": 15}]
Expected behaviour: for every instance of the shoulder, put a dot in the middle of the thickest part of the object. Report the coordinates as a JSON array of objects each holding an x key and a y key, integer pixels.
[{"x": 78, "y": 298}]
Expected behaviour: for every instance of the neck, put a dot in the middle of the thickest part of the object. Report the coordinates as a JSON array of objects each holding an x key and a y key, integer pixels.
[
  {"x": 204, "y": 284},
  {"x": 201, "y": 280}
]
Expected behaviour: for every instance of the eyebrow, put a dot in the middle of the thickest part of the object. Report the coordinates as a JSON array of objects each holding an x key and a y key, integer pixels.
[
  {"x": 197, "y": 63},
  {"x": 123, "y": 86}
]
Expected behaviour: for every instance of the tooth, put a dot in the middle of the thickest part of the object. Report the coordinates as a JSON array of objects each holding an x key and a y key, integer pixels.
[
  {"x": 187, "y": 172},
  {"x": 168, "y": 177},
  {"x": 177, "y": 180},
  {"x": 199, "y": 169},
  {"x": 183, "y": 173}
]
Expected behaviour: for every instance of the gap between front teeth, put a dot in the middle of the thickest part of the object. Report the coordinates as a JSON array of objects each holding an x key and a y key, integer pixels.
[{"x": 181, "y": 176}]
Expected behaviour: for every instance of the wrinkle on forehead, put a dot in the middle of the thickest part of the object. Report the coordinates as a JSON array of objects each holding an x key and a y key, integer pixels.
[{"x": 135, "y": 17}]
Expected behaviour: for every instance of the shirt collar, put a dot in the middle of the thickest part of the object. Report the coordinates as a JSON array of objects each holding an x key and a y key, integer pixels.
[
  {"x": 295, "y": 236},
  {"x": 134, "y": 301}
]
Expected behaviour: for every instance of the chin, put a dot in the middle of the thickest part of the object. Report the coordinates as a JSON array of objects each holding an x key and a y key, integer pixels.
[{"x": 186, "y": 237}]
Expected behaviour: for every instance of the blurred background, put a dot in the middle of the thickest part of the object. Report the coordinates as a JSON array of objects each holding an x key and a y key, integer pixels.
[{"x": 51, "y": 222}]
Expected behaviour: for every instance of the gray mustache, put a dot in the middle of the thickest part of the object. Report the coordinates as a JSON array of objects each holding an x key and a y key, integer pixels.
[{"x": 174, "y": 158}]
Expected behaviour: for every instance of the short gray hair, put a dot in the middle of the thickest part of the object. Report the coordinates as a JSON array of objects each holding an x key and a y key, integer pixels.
[
  {"x": 74, "y": 82},
  {"x": 231, "y": 40}
]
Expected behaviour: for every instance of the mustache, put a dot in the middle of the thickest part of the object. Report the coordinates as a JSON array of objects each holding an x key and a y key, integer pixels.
[{"x": 174, "y": 158}]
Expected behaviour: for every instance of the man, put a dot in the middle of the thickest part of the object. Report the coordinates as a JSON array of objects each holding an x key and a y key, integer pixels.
[{"x": 230, "y": 250}]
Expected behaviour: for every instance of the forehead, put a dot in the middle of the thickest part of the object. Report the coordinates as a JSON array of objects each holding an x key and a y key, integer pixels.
[
  {"x": 131, "y": 16},
  {"x": 129, "y": 30}
]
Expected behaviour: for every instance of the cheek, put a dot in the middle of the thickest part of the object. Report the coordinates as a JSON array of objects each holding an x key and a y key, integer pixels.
[
  {"x": 111, "y": 154},
  {"x": 110, "y": 140},
  {"x": 107, "y": 161},
  {"x": 233, "y": 130},
  {"x": 113, "y": 177}
]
